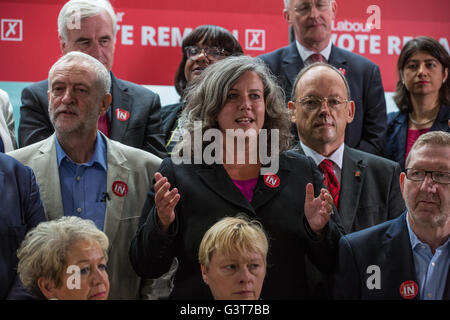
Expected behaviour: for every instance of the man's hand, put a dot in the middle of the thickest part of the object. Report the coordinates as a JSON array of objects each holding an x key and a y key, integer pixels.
[
  {"x": 318, "y": 210},
  {"x": 165, "y": 201}
]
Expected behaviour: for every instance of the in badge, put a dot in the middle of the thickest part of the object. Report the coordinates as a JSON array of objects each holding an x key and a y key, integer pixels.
[
  {"x": 271, "y": 180},
  {"x": 120, "y": 188},
  {"x": 122, "y": 115}
]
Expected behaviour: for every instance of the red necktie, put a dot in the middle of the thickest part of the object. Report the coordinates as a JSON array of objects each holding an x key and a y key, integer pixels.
[
  {"x": 103, "y": 124},
  {"x": 330, "y": 180},
  {"x": 316, "y": 57}
]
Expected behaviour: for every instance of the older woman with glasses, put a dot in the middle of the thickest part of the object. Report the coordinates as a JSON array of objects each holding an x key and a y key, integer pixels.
[
  {"x": 422, "y": 96},
  {"x": 237, "y": 103},
  {"x": 205, "y": 45}
]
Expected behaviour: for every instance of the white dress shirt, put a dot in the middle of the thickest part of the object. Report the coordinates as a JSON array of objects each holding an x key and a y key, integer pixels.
[{"x": 336, "y": 157}]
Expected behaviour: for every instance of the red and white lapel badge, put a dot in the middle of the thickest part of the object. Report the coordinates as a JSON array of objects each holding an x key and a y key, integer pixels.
[
  {"x": 120, "y": 188},
  {"x": 343, "y": 71},
  {"x": 122, "y": 115},
  {"x": 409, "y": 289},
  {"x": 271, "y": 180}
]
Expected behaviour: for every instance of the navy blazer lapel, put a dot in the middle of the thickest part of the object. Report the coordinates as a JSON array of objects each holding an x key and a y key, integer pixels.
[
  {"x": 399, "y": 257},
  {"x": 121, "y": 100},
  {"x": 441, "y": 122},
  {"x": 217, "y": 179},
  {"x": 292, "y": 63},
  {"x": 337, "y": 59},
  {"x": 352, "y": 179}
]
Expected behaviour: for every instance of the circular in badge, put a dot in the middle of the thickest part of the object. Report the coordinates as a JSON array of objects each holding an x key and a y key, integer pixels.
[
  {"x": 271, "y": 180},
  {"x": 120, "y": 188},
  {"x": 409, "y": 289}
]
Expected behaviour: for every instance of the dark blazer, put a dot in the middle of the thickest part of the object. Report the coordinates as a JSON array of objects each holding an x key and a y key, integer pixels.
[
  {"x": 387, "y": 246},
  {"x": 20, "y": 210},
  {"x": 367, "y": 130},
  {"x": 370, "y": 190},
  {"x": 207, "y": 195},
  {"x": 169, "y": 116},
  {"x": 142, "y": 130},
  {"x": 397, "y": 132}
]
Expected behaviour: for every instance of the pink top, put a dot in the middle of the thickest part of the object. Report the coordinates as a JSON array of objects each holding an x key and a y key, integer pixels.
[
  {"x": 246, "y": 187},
  {"x": 413, "y": 135}
]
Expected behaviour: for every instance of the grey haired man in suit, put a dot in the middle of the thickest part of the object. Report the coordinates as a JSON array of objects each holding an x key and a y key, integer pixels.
[
  {"x": 365, "y": 187},
  {"x": 133, "y": 117},
  {"x": 81, "y": 172},
  {"x": 311, "y": 21}
]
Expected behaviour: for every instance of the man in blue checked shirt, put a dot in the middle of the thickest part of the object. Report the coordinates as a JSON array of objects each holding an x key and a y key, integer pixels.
[
  {"x": 408, "y": 257},
  {"x": 83, "y": 173}
]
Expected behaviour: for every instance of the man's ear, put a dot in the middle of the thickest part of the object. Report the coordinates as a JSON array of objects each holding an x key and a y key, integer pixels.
[
  {"x": 105, "y": 103},
  {"x": 351, "y": 111},
  {"x": 62, "y": 45},
  {"x": 47, "y": 287},
  {"x": 287, "y": 16},
  {"x": 402, "y": 181},
  {"x": 292, "y": 108}
]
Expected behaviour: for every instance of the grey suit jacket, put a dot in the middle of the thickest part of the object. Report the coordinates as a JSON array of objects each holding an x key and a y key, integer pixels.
[
  {"x": 370, "y": 190},
  {"x": 130, "y": 165}
]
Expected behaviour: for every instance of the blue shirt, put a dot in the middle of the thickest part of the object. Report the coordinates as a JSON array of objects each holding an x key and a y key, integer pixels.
[
  {"x": 83, "y": 186},
  {"x": 2, "y": 147},
  {"x": 431, "y": 270}
]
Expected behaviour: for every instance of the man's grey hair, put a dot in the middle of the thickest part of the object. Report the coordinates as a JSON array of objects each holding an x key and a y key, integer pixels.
[
  {"x": 432, "y": 138},
  {"x": 287, "y": 3},
  {"x": 43, "y": 252},
  {"x": 315, "y": 65},
  {"x": 103, "y": 76},
  {"x": 76, "y": 10}
]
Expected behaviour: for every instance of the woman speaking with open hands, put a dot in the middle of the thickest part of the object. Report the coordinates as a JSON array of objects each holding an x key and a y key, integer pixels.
[{"x": 233, "y": 159}]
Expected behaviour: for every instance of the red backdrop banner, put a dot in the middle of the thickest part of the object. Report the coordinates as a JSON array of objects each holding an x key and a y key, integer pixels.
[{"x": 150, "y": 33}]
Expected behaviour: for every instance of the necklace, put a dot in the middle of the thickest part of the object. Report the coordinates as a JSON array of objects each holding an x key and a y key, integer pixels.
[{"x": 420, "y": 123}]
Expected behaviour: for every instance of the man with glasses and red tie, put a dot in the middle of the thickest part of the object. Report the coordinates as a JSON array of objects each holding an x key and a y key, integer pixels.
[
  {"x": 365, "y": 187},
  {"x": 311, "y": 21},
  {"x": 408, "y": 257}
]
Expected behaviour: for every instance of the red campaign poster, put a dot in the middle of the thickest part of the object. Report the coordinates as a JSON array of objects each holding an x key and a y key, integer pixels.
[{"x": 150, "y": 33}]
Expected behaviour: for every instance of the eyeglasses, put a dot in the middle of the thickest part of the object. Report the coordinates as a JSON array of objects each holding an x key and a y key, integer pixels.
[
  {"x": 419, "y": 175},
  {"x": 305, "y": 7},
  {"x": 311, "y": 103},
  {"x": 212, "y": 53}
]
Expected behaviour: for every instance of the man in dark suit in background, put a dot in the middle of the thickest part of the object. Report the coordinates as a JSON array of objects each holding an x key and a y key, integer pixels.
[
  {"x": 134, "y": 115},
  {"x": 365, "y": 187},
  {"x": 311, "y": 22},
  {"x": 21, "y": 210},
  {"x": 408, "y": 257}
]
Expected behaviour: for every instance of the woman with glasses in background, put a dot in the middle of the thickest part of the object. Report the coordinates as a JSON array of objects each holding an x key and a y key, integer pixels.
[{"x": 205, "y": 45}]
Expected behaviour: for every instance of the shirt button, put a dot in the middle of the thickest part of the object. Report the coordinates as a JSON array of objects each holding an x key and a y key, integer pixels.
[
  {"x": 78, "y": 178},
  {"x": 79, "y": 210},
  {"x": 433, "y": 264},
  {"x": 429, "y": 295}
]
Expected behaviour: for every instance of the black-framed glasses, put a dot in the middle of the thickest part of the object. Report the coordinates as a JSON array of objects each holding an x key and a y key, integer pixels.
[
  {"x": 311, "y": 103},
  {"x": 305, "y": 7},
  {"x": 419, "y": 175},
  {"x": 213, "y": 53}
]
